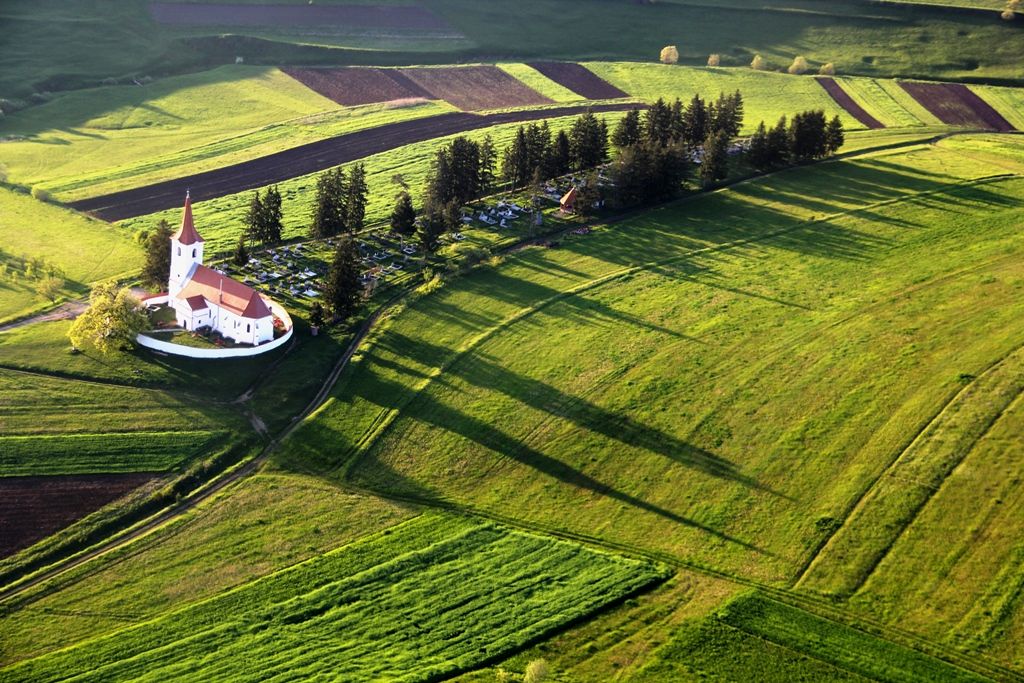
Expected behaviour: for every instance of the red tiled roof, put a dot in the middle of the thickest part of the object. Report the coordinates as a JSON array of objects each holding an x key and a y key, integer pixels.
[
  {"x": 227, "y": 293},
  {"x": 187, "y": 232},
  {"x": 196, "y": 303}
]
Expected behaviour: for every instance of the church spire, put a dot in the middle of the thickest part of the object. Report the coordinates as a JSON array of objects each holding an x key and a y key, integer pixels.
[{"x": 187, "y": 232}]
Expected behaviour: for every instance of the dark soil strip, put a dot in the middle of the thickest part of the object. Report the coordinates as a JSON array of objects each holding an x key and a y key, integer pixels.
[
  {"x": 474, "y": 88},
  {"x": 955, "y": 104},
  {"x": 844, "y": 100},
  {"x": 579, "y": 79},
  {"x": 352, "y": 86},
  {"x": 349, "y": 16},
  {"x": 32, "y": 508},
  {"x": 306, "y": 159}
]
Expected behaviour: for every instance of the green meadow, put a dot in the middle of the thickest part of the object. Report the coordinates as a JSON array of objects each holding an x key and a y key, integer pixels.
[
  {"x": 85, "y": 250},
  {"x": 681, "y": 380}
]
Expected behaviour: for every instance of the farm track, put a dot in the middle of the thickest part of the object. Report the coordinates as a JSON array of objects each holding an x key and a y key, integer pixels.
[
  {"x": 819, "y": 606},
  {"x": 309, "y": 158}
]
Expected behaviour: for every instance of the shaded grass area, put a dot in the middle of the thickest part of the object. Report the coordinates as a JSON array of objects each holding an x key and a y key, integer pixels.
[
  {"x": 266, "y": 523},
  {"x": 430, "y": 597},
  {"x": 108, "y": 453}
]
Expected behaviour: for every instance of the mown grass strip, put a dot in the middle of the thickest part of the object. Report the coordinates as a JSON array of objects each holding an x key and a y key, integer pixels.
[
  {"x": 425, "y": 599},
  {"x": 110, "y": 453}
]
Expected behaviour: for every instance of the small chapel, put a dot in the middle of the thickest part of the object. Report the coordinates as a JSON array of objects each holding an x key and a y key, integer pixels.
[{"x": 202, "y": 297}]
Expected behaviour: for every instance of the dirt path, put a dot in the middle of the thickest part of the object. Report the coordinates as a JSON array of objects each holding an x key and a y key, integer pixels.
[
  {"x": 66, "y": 311},
  {"x": 309, "y": 158}
]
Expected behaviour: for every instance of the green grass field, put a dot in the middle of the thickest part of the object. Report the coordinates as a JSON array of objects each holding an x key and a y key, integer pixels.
[
  {"x": 669, "y": 410},
  {"x": 85, "y": 250},
  {"x": 109, "y": 453},
  {"x": 382, "y": 608}
]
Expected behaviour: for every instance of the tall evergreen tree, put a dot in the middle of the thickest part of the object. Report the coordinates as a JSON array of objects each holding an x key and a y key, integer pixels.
[
  {"x": 355, "y": 199},
  {"x": 403, "y": 216},
  {"x": 271, "y": 217},
  {"x": 254, "y": 218},
  {"x": 658, "y": 123},
  {"x": 628, "y": 131},
  {"x": 807, "y": 136},
  {"x": 758, "y": 153},
  {"x": 329, "y": 210},
  {"x": 778, "y": 143},
  {"x": 515, "y": 162},
  {"x": 727, "y": 115},
  {"x": 241, "y": 255},
  {"x": 714, "y": 163},
  {"x": 157, "y": 269},
  {"x": 696, "y": 122},
  {"x": 342, "y": 288},
  {"x": 430, "y": 229},
  {"x": 588, "y": 142},
  {"x": 488, "y": 159},
  {"x": 561, "y": 158}
]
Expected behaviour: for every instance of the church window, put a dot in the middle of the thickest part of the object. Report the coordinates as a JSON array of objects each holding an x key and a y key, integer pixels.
[
  {"x": 248, "y": 328},
  {"x": 179, "y": 251},
  {"x": 193, "y": 253}
]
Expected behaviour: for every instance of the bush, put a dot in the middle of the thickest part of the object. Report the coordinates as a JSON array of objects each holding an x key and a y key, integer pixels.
[
  {"x": 9, "y": 106},
  {"x": 715, "y": 60},
  {"x": 799, "y": 66},
  {"x": 669, "y": 54},
  {"x": 41, "y": 194},
  {"x": 827, "y": 69},
  {"x": 1008, "y": 14},
  {"x": 759, "y": 63},
  {"x": 537, "y": 671}
]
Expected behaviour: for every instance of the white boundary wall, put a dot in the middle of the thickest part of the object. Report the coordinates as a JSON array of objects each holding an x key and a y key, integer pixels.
[{"x": 241, "y": 352}]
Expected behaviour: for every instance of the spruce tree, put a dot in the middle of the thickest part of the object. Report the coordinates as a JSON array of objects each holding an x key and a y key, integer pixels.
[
  {"x": 696, "y": 122},
  {"x": 430, "y": 229},
  {"x": 329, "y": 208},
  {"x": 515, "y": 162},
  {"x": 241, "y": 255},
  {"x": 758, "y": 153},
  {"x": 270, "y": 217},
  {"x": 488, "y": 159},
  {"x": 834, "y": 136},
  {"x": 714, "y": 163},
  {"x": 342, "y": 288},
  {"x": 588, "y": 142},
  {"x": 355, "y": 199},
  {"x": 628, "y": 131},
  {"x": 254, "y": 218},
  {"x": 157, "y": 269},
  {"x": 403, "y": 216},
  {"x": 560, "y": 156},
  {"x": 778, "y": 144}
]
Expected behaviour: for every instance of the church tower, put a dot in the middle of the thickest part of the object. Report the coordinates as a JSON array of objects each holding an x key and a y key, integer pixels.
[{"x": 186, "y": 251}]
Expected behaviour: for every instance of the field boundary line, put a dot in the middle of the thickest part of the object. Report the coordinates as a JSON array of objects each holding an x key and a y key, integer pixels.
[{"x": 955, "y": 400}]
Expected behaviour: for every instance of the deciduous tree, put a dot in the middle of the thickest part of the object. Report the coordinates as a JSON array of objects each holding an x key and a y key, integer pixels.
[
  {"x": 111, "y": 323},
  {"x": 669, "y": 54},
  {"x": 157, "y": 268}
]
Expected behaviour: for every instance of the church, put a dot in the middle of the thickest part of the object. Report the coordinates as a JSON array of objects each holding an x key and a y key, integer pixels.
[{"x": 202, "y": 297}]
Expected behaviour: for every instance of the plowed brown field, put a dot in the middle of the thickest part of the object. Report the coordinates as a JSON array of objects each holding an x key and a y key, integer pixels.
[
  {"x": 472, "y": 88},
  {"x": 956, "y": 105},
  {"x": 357, "y": 85},
  {"x": 844, "y": 100},
  {"x": 32, "y": 508},
  {"x": 579, "y": 79}
]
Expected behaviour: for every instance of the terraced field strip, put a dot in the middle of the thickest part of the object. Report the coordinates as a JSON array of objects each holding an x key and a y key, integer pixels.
[
  {"x": 32, "y": 508},
  {"x": 579, "y": 79},
  {"x": 351, "y": 86},
  {"x": 956, "y": 105},
  {"x": 109, "y": 453},
  {"x": 423, "y": 600},
  {"x": 891, "y": 505},
  {"x": 309, "y": 158},
  {"x": 844, "y": 100},
  {"x": 879, "y": 102},
  {"x": 474, "y": 88}
]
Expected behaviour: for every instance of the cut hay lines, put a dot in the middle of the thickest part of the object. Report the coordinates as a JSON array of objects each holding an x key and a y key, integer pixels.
[
  {"x": 843, "y": 99},
  {"x": 422, "y": 600},
  {"x": 353, "y": 86}
]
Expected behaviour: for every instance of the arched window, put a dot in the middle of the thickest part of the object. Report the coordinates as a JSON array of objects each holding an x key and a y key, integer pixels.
[
  {"x": 193, "y": 253},
  {"x": 179, "y": 251},
  {"x": 248, "y": 328}
]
